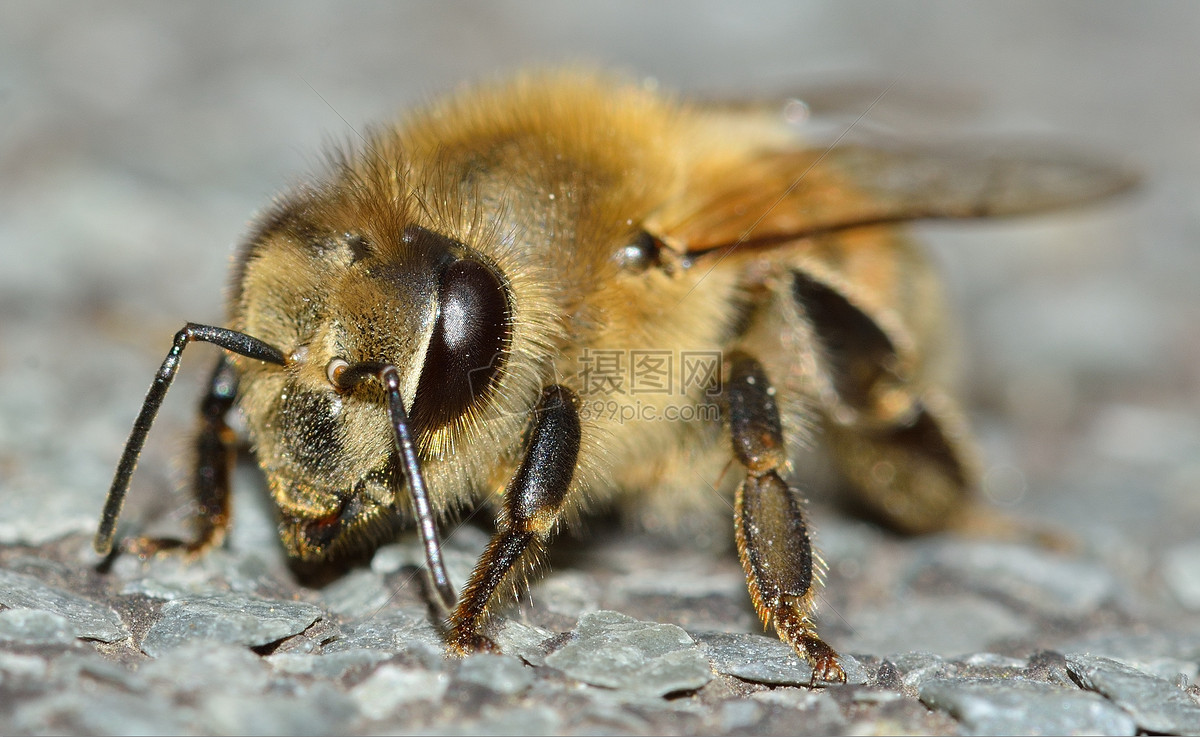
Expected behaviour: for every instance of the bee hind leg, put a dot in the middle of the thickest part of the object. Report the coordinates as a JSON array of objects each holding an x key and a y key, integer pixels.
[
  {"x": 533, "y": 502},
  {"x": 772, "y": 537}
]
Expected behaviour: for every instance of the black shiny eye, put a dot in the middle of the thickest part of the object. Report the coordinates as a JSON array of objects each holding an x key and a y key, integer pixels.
[{"x": 468, "y": 344}]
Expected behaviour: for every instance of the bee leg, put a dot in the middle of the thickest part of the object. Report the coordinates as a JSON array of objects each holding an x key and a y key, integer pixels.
[
  {"x": 903, "y": 444},
  {"x": 772, "y": 537},
  {"x": 918, "y": 474},
  {"x": 533, "y": 501},
  {"x": 221, "y": 394},
  {"x": 215, "y": 455}
]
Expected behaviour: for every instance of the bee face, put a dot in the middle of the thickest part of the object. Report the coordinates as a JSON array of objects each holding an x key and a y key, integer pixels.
[
  {"x": 511, "y": 295},
  {"x": 409, "y": 297}
]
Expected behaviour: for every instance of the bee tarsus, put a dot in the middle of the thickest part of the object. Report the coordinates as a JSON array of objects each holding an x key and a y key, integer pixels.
[
  {"x": 772, "y": 537},
  {"x": 533, "y": 501}
]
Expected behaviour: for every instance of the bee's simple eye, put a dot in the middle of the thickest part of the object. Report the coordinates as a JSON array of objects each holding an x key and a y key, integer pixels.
[
  {"x": 334, "y": 370},
  {"x": 468, "y": 343}
]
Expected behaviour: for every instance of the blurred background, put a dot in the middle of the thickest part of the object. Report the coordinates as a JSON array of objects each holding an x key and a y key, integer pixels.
[{"x": 138, "y": 139}]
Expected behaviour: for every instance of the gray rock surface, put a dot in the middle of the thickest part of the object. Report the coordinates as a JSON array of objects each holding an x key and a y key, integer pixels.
[
  {"x": 87, "y": 618},
  {"x": 503, "y": 674},
  {"x": 1054, "y": 584},
  {"x": 1154, "y": 704},
  {"x": 1181, "y": 569},
  {"x": 766, "y": 660},
  {"x": 236, "y": 620},
  {"x": 616, "y": 651},
  {"x": 35, "y": 627},
  {"x": 986, "y": 706}
]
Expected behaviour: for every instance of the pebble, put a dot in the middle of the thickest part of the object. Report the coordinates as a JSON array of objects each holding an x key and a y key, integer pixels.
[
  {"x": 1141, "y": 649},
  {"x": 359, "y": 593},
  {"x": 993, "y": 660},
  {"x": 391, "y": 687},
  {"x": 1045, "y": 582},
  {"x": 820, "y": 712},
  {"x": 319, "y": 709},
  {"x": 502, "y": 674},
  {"x": 916, "y": 668},
  {"x": 22, "y": 668},
  {"x": 1181, "y": 571},
  {"x": 620, "y": 652},
  {"x": 90, "y": 620},
  {"x": 768, "y": 660},
  {"x": 1008, "y": 706},
  {"x": 37, "y": 511},
  {"x": 525, "y": 641},
  {"x": 1155, "y": 704},
  {"x": 568, "y": 593},
  {"x": 228, "y": 618},
  {"x": 947, "y": 625},
  {"x": 392, "y": 630},
  {"x": 90, "y": 666},
  {"x": 35, "y": 627},
  {"x": 170, "y": 577},
  {"x": 331, "y": 665},
  {"x": 207, "y": 667},
  {"x": 517, "y": 721},
  {"x": 460, "y": 552},
  {"x": 102, "y": 711}
]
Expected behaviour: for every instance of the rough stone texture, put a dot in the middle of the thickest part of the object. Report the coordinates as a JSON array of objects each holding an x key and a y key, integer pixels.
[
  {"x": 766, "y": 660},
  {"x": 35, "y": 627},
  {"x": 615, "y": 651},
  {"x": 89, "y": 619},
  {"x": 951, "y": 625},
  {"x": 503, "y": 674},
  {"x": 389, "y": 630},
  {"x": 1155, "y": 704},
  {"x": 224, "y": 618},
  {"x": 331, "y": 665},
  {"x": 1181, "y": 569},
  {"x": 360, "y": 593},
  {"x": 135, "y": 142},
  {"x": 1053, "y": 584},
  {"x": 1024, "y": 707},
  {"x": 390, "y": 688},
  {"x": 1167, "y": 654}
]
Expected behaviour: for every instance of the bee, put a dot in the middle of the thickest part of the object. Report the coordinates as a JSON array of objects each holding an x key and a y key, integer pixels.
[{"x": 566, "y": 291}]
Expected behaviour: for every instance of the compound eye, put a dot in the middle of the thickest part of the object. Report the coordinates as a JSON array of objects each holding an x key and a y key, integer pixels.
[{"x": 468, "y": 344}]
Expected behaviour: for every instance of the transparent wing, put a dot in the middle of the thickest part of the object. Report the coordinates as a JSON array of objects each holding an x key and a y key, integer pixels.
[{"x": 779, "y": 197}]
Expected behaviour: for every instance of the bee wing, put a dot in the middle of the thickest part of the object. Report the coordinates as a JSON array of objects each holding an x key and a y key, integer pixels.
[
  {"x": 868, "y": 294},
  {"x": 821, "y": 103},
  {"x": 778, "y": 197}
]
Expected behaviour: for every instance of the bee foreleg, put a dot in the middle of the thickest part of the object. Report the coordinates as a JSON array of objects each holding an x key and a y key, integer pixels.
[
  {"x": 533, "y": 502},
  {"x": 772, "y": 537}
]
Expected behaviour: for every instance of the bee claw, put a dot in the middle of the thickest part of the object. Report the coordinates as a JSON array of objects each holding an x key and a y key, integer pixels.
[
  {"x": 827, "y": 670},
  {"x": 464, "y": 644},
  {"x": 153, "y": 547}
]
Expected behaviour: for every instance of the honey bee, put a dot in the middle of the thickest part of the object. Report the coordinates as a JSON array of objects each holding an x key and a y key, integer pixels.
[{"x": 566, "y": 291}]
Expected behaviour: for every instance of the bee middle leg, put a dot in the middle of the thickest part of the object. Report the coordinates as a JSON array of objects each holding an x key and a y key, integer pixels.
[
  {"x": 534, "y": 500},
  {"x": 772, "y": 537}
]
